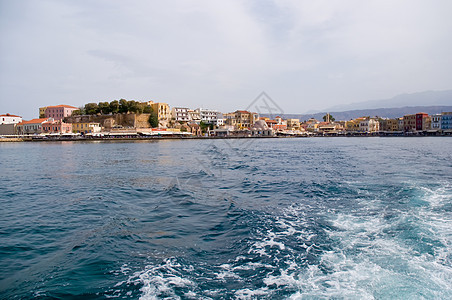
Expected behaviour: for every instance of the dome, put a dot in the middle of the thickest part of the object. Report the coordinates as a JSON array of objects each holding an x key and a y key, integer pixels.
[{"x": 260, "y": 125}]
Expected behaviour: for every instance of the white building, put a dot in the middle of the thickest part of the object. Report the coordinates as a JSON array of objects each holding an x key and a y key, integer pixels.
[
  {"x": 194, "y": 116},
  {"x": 207, "y": 115},
  {"x": 436, "y": 122},
  {"x": 220, "y": 119},
  {"x": 369, "y": 125},
  {"x": 180, "y": 114},
  {"x": 10, "y": 119}
]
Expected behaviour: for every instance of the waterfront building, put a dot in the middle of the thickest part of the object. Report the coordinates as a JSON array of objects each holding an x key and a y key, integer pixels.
[
  {"x": 422, "y": 121},
  {"x": 341, "y": 124},
  {"x": 281, "y": 121},
  {"x": 221, "y": 132},
  {"x": 162, "y": 111},
  {"x": 369, "y": 125},
  {"x": 327, "y": 127},
  {"x": 278, "y": 124},
  {"x": 270, "y": 123},
  {"x": 220, "y": 119},
  {"x": 194, "y": 116},
  {"x": 59, "y": 112},
  {"x": 56, "y": 126},
  {"x": 436, "y": 122},
  {"x": 311, "y": 125},
  {"x": 31, "y": 127},
  {"x": 86, "y": 127},
  {"x": 8, "y": 124},
  {"x": 401, "y": 123},
  {"x": 241, "y": 119},
  {"x": 10, "y": 119},
  {"x": 180, "y": 114},
  {"x": 208, "y": 116},
  {"x": 409, "y": 122},
  {"x": 279, "y": 127},
  {"x": 389, "y": 125},
  {"x": 246, "y": 119},
  {"x": 195, "y": 129},
  {"x": 353, "y": 125},
  {"x": 260, "y": 128},
  {"x": 229, "y": 119},
  {"x": 293, "y": 124},
  {"x": 446, "y": 120}
]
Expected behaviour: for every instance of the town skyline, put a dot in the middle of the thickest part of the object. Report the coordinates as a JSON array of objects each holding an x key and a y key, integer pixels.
[
  {"x": 133, "y": 119},
  {"x": 307, "y": 56}
]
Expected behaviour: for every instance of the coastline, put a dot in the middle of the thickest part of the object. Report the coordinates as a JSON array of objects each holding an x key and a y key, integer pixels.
[{"x": 156, "y": 138}]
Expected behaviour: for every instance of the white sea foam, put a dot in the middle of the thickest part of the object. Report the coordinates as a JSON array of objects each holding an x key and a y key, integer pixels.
[
  {"x": 368, "y": 261},
  {"x": 251, "y": 294},
  {"x": 161, "y": 281},
  {"x": 368, "y": 256}
]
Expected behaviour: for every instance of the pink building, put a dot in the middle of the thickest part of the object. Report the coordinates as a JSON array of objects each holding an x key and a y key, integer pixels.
[
  {"x": 59, "y": 112},
  {"x": 57, "y": 126}
]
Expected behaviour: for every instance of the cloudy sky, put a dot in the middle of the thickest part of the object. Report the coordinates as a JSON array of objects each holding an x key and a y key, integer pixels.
[{"x": 307, "y": 55}]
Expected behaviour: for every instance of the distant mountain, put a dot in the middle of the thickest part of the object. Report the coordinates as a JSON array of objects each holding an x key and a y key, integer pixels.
[
  {"x": 430, "y": 98},
  {"x": 380, "y": 112}
]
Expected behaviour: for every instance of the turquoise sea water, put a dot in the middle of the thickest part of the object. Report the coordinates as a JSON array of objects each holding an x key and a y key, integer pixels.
[{"x": 353, "y": 218}]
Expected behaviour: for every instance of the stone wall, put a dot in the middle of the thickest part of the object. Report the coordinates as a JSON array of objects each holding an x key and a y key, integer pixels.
[
  {"x": 7, "y": 129},
  {"x": 109, "y": 121},
  {"x": 142, "y": 121}
]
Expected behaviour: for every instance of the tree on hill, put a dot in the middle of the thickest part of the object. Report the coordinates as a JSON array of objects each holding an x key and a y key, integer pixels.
[
  {"x": 104, "y": 108},
  {"x": 91, "y": 108},
  {"x": 135, "y": 107},
  {"x": 328, "y": 118},
  {"x": 123, "y": 106},
  {"x": 147, "y": 109},
  {"x": 114, "y": 106}
]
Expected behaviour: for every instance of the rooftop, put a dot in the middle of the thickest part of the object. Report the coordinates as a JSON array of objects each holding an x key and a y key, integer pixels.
[
  {"x": 34, "y": 121},
  {"x": 62, "y": 105},
  {"x": 9, "y": 115}
]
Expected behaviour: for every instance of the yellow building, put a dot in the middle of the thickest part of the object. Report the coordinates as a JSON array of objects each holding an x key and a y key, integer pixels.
[
  {"x": 42, "y": 111},
  {"x": 229, "y": 119},
  {"x": 389, "y": 125},
  {"x": 409, "y": 122},
  {"x": 162, "y": 110},
  {"x": 242, "y": 119},
  {"x": 293, "y": 124},
  {"x": 83, "y": 127},
  {"x": 353, "y": 125}
]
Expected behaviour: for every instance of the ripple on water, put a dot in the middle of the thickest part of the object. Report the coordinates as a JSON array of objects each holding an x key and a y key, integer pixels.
[{"x": 278, "y": 218}]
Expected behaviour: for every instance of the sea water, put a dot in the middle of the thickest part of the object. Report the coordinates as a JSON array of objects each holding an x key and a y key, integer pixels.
[{"x": 354, "y": 218}]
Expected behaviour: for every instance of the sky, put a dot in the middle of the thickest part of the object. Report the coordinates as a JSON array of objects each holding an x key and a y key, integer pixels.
[{"x": 305, "y": 55}]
